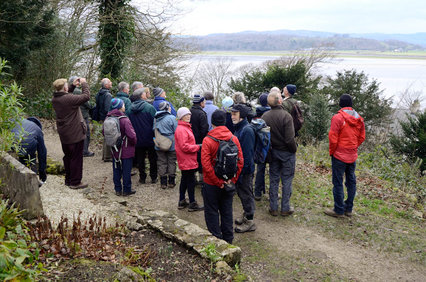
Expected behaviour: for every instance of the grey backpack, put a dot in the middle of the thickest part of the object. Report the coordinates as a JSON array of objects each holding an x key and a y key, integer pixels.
[{"x": 112, "y": 132}]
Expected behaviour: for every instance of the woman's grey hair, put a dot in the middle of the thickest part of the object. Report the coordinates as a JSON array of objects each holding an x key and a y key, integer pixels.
[
  {"x": 239, "y": 98},
  {"x": 122, "y": 85},
  {"x": 136, "y": 85},
  {"x": 208, "y": 95},
  {"x": 71, "y": 80}
]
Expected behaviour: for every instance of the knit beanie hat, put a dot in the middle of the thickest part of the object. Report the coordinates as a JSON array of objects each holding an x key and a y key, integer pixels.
[
  {"x": 218, "y": 118},
  {"x": 243, "y": 109},
  {"x": 116, "y": 103},
  {"x": 345, "y": 101},
  {"x": 164, "y": 106},
  {"x": 227, "y": 102},
  {"x": 157, "y": 91},
  {"x": 182, "y": 112},
  {"x": 263, "y": 99},
  {"x": 197, "y": 99},
  {"x": 291, "y": 88}
]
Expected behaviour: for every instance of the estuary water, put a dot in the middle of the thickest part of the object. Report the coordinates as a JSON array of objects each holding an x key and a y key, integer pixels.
[{"x": 395, "y": 75}]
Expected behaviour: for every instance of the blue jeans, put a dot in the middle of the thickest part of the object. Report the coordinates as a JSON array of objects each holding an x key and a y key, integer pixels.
[
  {"x": 259, "y": 185},
  {"x": 122, "y": 170},
  {"x": 338, "y": 169},
  {"x": 218, "y": 212},
  {"x": 281, "y": 167}
]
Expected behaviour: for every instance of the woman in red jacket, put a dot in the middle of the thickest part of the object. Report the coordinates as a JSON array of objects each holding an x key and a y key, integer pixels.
[{"x": 186, "y": 154}]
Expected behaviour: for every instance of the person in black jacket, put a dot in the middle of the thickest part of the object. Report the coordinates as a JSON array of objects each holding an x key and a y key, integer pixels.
[
  {"x": 142, "y": 117},
  {"x": 103, "y": 104},
  {"x": 85, "y": 111},
  {"x": 200, "y": 127},
  {"x": 32, "y": 143}
]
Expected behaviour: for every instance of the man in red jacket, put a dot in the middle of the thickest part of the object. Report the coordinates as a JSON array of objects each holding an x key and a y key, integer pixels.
[
  {"x": 217, "y": 199},
  {"x": 347, "y": 132}
]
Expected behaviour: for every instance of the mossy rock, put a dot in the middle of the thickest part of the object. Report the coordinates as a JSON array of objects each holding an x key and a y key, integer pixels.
[{"x": 54, "y": 167}]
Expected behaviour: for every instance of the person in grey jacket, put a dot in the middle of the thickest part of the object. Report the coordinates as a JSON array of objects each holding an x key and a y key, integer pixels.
[
  {"x": 166, "y": 124},
  {"x": 85, "y": 111}
]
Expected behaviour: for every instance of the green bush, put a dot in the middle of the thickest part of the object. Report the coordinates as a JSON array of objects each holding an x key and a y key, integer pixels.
[
  {"x": 10, "y": 109},
  {"x": 39, "y": 105},
  {"x": 18, "y": 257}
]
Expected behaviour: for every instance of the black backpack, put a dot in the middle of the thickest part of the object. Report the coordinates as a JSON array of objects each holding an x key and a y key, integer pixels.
[{"x": 226, "y": 166}]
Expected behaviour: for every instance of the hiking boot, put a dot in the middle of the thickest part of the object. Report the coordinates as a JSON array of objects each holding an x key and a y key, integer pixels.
[
  {"x": 142, "y": 181},
  {"x": 88, "y": 154},
  {"x": 273, "y": 213},
  {"x": 163, "y": 181},
  {"x": 247, "y": 226},
  {"x": 118, "y": 193},
  {"x": 183, "y": 204},
  {"x": 287, "y": 213},
  {"x": 79, "y": 186},
  {"x": 195, "y": 207},
  {"x": 258, "y": 198},
  {"x": 129, "y": 193},
  {"x": 172, "y": 183},
  {"x": 240, "y": 220},
  {"x": 154, "y": 180},
  {"x": 133, "y": 172},
  {"x": 333, "y": 213},
  {"x": 348, "y": 214}
]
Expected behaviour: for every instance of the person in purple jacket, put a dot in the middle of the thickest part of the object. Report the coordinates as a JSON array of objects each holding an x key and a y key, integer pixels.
[{"x": 122, "y": 167}]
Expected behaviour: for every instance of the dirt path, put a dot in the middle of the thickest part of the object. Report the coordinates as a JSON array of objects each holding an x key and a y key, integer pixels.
[{"x": 281, "y": 236}]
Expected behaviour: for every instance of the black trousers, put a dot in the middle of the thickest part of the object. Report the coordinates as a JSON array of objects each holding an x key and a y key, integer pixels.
[
  {"x": 218, "y": 212},
  {"x": 187, "y": 182},
  {"x": 141, "y": 153},
  {"x": 73, "y": 162}
]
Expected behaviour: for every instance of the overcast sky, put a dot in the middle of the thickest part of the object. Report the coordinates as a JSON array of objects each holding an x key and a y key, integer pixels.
[{"x": 340, "y": 16}]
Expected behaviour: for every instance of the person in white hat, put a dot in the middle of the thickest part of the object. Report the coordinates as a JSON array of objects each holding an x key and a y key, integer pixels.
[{"x": 186, "y": 154}]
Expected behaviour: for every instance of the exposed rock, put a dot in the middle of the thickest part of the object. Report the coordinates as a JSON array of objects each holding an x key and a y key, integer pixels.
[
  {"x": 222, "y": 268},
  {"x": 127, "y": 274},
  {"x": 20, "y": 185}
]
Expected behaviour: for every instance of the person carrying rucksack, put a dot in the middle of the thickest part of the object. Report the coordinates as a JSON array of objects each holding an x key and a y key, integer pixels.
[
  {"x": 217, "y": 191},
  {"x": 121, "y": 138},
  {"x": 244, "y": 185},
  {"x": 292, "y": 107},
  {"x": 259, "y": 183},
  {"x": 165, "y": 125}
]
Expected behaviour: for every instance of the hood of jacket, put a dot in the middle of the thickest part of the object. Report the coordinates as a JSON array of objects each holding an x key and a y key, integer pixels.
[
  {"x": 122, "y": 95},
  {"x": 351, "y": 116},
  {"x": 115, "y": 113},
  {"x": 138, "y": 106},
  {"x": 221, "y": 133},
  {"x": 103, "y": 91},
  {"x": 161, "y": 114}
]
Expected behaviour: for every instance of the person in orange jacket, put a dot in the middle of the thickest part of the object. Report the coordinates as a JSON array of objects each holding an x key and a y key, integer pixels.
[
  {"x": 347, "y": 132},
  {"x": 186, "y": 154}
]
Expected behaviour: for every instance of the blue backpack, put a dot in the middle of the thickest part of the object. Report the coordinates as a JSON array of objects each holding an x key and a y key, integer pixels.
[{"x": 263, "y": 140}]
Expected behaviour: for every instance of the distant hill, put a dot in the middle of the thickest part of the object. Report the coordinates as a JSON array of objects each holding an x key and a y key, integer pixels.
[{"x": 304, "y": 39}]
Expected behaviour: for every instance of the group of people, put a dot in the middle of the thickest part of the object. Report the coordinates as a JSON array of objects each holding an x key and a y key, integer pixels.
[{"x": 196, "y": 138}]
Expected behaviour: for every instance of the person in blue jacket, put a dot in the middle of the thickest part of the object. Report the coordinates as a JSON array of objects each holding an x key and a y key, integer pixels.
[
  {"x": 142, "y": 117},
  {"x": 32, "y": 143},
  {"x": 244, "y": 186},
  {"x": 166, "y": 125},
  {"x": 159, "y": 97}
]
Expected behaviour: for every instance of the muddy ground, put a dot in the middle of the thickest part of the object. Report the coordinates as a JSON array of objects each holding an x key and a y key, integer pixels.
[{"x": 290, "y": 246}]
